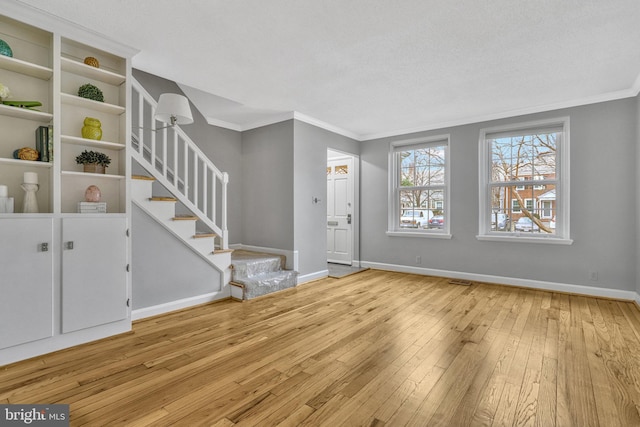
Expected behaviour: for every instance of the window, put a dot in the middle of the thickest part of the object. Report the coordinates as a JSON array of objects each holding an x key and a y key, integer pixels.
[
  {"x": 524, "y": 178},
  {"x": 419, "y": 187}
]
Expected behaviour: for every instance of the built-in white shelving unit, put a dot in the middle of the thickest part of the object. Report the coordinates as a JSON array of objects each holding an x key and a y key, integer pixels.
[{"x": 72, "y": 267}]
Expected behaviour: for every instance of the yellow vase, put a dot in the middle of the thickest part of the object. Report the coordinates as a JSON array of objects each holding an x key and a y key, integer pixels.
[{"x": 92, "y": 129}]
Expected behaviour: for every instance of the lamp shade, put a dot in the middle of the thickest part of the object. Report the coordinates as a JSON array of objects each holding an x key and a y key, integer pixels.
[{"x": 174, "y": 109}]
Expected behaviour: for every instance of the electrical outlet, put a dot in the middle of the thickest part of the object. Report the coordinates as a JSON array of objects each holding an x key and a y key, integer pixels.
[
  {"x": 594, "y": 276},
  {"x": 418, "y": 259}
]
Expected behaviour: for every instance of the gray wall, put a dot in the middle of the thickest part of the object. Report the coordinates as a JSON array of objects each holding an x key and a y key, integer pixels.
[
  {"x": 310, "y": 180},
  {"x": 222, "y": 146},
  {"x": 165, "y": 270},
  {"x": 267, "y": 190},
  {"x": 603, "y": 214}
]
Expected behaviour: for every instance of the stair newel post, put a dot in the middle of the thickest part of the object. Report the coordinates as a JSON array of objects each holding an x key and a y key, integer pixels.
[
  {"x": 225, "y": 239},
  {"x": 214, "y": 199}
]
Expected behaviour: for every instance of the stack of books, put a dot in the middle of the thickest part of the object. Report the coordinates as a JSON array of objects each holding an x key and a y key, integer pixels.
[
  {"x": 44, "y": 143},
  {"x": 92, "y": 207}
]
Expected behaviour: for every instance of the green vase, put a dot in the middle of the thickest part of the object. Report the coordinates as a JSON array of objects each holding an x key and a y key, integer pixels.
[{"x": 92, "y": 129}]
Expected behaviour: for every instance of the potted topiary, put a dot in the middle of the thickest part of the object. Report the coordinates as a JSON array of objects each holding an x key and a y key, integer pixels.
[
  {"x": 90, "y": 91},
  {"x": 93, "y": 161}
]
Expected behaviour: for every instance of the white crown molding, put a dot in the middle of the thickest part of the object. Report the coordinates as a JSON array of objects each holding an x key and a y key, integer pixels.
[
  {"x": 612, "y": 96},
  {"x": 326, "y": 126},
  {"x": 283, "y": 117},
  {"x": 276, "y": 118},
  {"x": 32, "y": 15},
  {"x": 618, "y": 294},
  {"x": 223, "y": 124}
]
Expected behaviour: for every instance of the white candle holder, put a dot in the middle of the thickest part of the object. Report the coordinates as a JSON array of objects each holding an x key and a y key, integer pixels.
[{"x": 30, "y": 204}]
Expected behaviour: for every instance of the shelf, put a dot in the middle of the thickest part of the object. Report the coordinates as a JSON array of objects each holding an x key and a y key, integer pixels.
[
  {"x": 89, "y": 103},
  {"x": 25, "y": 113},
  {"x": 91, "y": 142},
  {"x": 92, "y": 175},
  {"x": 26, "y": 163},
  {"x": 90, "y": 72},
  {"x": 16, "y": 65}
]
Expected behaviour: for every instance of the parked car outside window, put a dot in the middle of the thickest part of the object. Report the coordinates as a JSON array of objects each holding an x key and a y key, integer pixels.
[
  {"x": 436, "y": 222},
  {"x": 416, "y": 218},
  {"x": 502, "y": 221},
  {"x": 525, "y": 224}
]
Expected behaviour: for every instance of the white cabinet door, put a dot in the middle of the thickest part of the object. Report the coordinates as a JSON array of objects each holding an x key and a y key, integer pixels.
[
  {"x": 26, "y": 280},
  {"x": 94, "y": 277}
]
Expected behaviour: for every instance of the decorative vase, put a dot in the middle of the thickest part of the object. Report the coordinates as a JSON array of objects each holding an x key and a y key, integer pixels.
[
  {"x": 93, "y": 168},
  {"x": 30, "y": 203},
  {"x": 92, "y": 129},
  {"x": 91, "y": 61},
  {"x": 92, "y": 194},
  {"x": 5, "y": 49}
]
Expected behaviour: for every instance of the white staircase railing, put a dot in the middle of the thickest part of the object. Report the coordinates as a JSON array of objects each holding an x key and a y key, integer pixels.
[{"x": 179, "y": 165}]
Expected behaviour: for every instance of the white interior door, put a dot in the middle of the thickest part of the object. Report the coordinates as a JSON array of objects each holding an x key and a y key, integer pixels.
[{"x": 340, "y": 210}]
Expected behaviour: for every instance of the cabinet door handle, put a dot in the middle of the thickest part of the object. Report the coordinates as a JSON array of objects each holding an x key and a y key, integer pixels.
[
  {"x": 44, "y": 247},
  {"x": 69, "y": 246}
]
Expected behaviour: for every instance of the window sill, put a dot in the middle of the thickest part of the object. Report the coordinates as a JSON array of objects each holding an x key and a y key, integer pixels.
[
  {"x": 429, "y": 235},
  {"x": 524, "y": 239}
]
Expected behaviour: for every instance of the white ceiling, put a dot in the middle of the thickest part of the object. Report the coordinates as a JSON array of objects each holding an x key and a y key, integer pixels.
[{"x": 376, "y": 67}]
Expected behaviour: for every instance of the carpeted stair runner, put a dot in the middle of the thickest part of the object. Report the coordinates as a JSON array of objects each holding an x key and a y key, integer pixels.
[{"x": 258, "y": 274}]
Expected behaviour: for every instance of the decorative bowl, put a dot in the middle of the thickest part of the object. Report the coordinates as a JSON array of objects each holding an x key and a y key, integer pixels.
[
  {"x": 90, "y": 60},
  {"x": 5, "y": 49}
]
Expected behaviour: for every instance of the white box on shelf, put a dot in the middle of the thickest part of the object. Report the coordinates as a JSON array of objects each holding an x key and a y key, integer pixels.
[{"x": 92, "y": 207}]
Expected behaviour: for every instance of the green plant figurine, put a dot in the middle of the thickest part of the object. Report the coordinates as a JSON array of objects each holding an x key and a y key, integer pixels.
[
  {"x": 89, "y": 157},
  {"x": 90, "y": 91}
]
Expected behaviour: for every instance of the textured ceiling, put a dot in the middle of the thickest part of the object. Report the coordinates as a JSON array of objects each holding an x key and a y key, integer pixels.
[{"x": 373, "y": 67}]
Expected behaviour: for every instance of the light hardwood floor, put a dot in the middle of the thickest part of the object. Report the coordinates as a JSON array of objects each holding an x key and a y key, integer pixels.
[{"x": 373, "y": 349}]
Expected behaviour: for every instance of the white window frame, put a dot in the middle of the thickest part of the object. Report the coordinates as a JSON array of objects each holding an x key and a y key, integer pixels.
[
  {"x": 393, "y": 204},
  {"x": 561, "y": 181}
]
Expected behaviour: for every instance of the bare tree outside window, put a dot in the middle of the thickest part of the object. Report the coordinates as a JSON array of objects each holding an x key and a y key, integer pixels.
[
  {"x": 420, "y": 170},
  {"x": 523, "y": 180}
]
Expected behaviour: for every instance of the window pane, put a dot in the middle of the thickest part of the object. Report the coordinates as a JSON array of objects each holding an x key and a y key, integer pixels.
[
  {"x": 422, "y": 167},
  {"x": 421, "y": 185},
  {"x": 523, "y": 157},
  {"x": 525, "y": 209},
  {"x": 414, "y": 212}
]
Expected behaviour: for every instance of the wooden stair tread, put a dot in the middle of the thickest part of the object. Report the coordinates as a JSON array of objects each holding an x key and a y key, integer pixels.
[
  {"x": 163, "y": 199},
  {"x": 222, "y": 251},
  {"x": 185, "y": 218},
  {"x": 204, "y": 235},
  {"x": 143, "y": 177}
]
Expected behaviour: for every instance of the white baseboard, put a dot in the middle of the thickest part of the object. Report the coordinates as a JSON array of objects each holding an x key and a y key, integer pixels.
[
  {"x": 292, "y": 256},
  {"x": 313, "y": 276},
  {"x": 501, "y": 280},
  {"x": 167, "y": 307}
]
